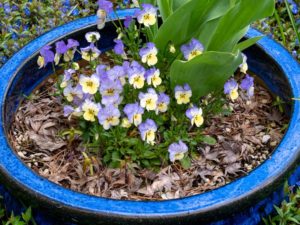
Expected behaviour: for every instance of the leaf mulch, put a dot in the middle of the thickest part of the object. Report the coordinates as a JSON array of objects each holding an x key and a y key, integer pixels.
[{"x": 245, "y": 139}]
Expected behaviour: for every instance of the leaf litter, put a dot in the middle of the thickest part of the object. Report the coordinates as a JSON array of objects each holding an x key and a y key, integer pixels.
[{"x": 245, "y": 139}]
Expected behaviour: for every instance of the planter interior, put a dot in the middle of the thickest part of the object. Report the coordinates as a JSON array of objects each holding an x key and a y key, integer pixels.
[{"x": 21, "y": 75}]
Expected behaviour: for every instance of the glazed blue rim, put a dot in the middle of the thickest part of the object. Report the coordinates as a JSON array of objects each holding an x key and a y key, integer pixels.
[{"x": 263, "y": 176}]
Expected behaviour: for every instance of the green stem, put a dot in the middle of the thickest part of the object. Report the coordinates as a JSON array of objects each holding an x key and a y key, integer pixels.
[
  {"x": 292, "y": 19},
  {"x": 277, "y": 17}
]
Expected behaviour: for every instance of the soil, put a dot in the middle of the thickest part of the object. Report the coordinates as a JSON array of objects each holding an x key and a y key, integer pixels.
[{"x": 245, "y": 139}]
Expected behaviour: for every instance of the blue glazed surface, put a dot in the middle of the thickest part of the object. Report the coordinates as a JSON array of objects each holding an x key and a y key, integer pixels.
[{"x": 256, "y": 181}]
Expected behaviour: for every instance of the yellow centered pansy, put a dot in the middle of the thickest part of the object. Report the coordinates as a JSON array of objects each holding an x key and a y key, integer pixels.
[
  {"x": 41, "y": 61},
  {"x": 244, "y": 68},
  {"x": 155, "y": 79},
  {"x": 111, "y": 121},
  {"x": 183, "y": 97},
  {"x": 198, "y": 120},
  {"x": 179, "y": 156},
  {"x": 161, "y": 107},
  {"x": 89, "y": 85},
  {"x": 234, "y": 94},
  {"x": 148, "y": 19},
  {"x": 125, "y": 123},
  {"x": 64, "y": 84},
  {"x": 244, "y": 65},
  {"x": 90, "y": 110},
  {"x": 137, "y": 119},
  {"x": 150, "y": 137},
  {"x": 109, "y": 92},
  {"x": 90, "y": 56},
  {"x": 149, "y": 101},
  {"x": 195, "y": 115},
  {"x": 137, "y": 81},
  {"x": 193, "y": 54},
  {"x": 69, "y": 55},
  {"x": 70, "y": 97},
  {"x": 150, "y": 59}
]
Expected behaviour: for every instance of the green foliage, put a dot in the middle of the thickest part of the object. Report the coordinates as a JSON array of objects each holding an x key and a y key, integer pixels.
[
  {"x": 185, "y": 23},
  {"x": 178, "y": 3},
  {"x": 24, "y": 219},
  {"x": 206, "y": 73},
  {"x": 289, "y": 211},
  {"x": 281, "y": 28},
  {"x": 219, "y": 26},
  {"x": 247, "y": 43},
  {"x": 166, "y": 8},
  {"x": 292, "y": 19},
  {"x": 233, "y": 26}
]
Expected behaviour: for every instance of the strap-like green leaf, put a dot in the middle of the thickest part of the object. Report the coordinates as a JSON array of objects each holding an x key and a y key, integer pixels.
[
  {"x": 205, "y": 73},
  {"x": 247, "y": 43},
  {"x": 165, "y": 8},
  {"x": 184, "y": 23},
  {"x": 178, "y": 3},
  {"x": 233, "y": 26}
]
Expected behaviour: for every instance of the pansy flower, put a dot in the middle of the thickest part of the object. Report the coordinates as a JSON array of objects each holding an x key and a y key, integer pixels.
[
  {"x": 192, "y": 49},
  {"x": 126, "y": 68},
  {"x": 136, "y": 75},
  {"x": 136, "y": 3},
  {"x": 183, "y": 94},
  {"x": 68, "y": 110},
  {"x": 61, "y": 48},
  {"x": 231, "y": 89},
  {"x": 106, "y": 5},
  {"x": 71, "y": 46},
  {"x": 247, "y": 85},
  {"x": 90, "y": 53},
  {"x": 195, "y": 115},
  {"x": 147, "y": 16},
  {"x": 149, "y": 99},
  {"x": 110, "y": 91},
  {"x": 90, "y": 84},
  {"x": 163, "y": 102},
  {"x": 90, "y": 110},
  {"x": 109, "y": 116},
  {"x": 92, "y": 37},
  {"x": 244, "y": 65},
  {"x": 177, "y": 151},
  {"x": 149, "y": 54},
  {"x": 101, "y": 15},
  {"x": 117, "y": 73},
  {"x": 152, "y": 76},
  {"x": 134, "y": 113},
  {"x": 47, "y": 56},
  {"x": 119, "y": 47},
  {"x": 67, "y": 76},
  {"x": 127, "y": 21},
  {"x": 73, "y": 93},
  {"x": 125, "y": 123},
  {"x": 101, "y": 70},
  {"x": 147, "y": 131}
]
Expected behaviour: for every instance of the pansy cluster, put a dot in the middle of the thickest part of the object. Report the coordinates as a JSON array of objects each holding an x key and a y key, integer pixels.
[
  {"x": 131, "y": 97},
  {"x": 247, "y": 84}
]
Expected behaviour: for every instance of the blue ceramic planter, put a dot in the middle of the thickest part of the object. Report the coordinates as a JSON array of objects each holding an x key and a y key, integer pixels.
[{"x": 19, "y": 76}]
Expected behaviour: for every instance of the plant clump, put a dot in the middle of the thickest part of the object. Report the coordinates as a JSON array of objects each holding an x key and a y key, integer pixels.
[{"x": 151, "y": 102}]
